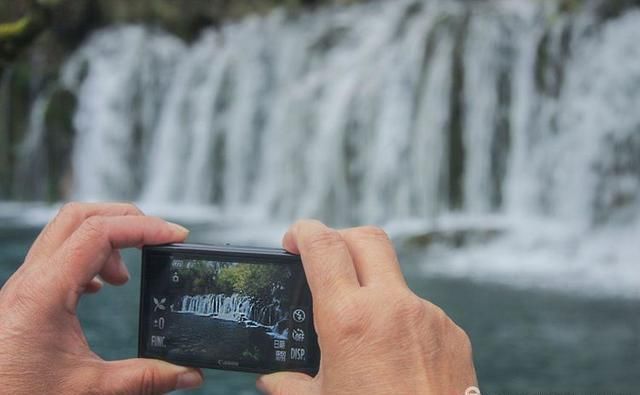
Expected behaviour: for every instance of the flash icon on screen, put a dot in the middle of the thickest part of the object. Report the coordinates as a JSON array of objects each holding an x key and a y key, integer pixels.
[{"x": 299, "y": 315}]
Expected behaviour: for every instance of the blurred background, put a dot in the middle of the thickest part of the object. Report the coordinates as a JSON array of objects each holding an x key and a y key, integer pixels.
[{"x": 497, "y": 142}]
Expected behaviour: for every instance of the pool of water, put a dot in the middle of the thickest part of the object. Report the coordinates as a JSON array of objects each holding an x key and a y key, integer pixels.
[{"x": 525, "y": 341}]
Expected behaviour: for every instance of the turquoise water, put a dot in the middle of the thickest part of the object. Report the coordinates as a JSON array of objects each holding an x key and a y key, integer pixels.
[{"x": 525, "y": 341}]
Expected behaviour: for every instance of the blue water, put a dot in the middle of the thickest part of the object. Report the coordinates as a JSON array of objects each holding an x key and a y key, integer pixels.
[{"x": 524, "y": 340}]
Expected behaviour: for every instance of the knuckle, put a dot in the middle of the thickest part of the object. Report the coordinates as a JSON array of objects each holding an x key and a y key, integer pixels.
[
  {"x": 436, "y": 319},
  {"x": 452, "y": 336},
  {"x": 93, "y": 226},
  {"x": 92, "y": 231},
  {"x": 435, "y": 323},
  {"x": 301, "y": 225},
  {"x": 323, "y": 240},
  {"x": 148, "y": 381},
  {"x": 410, "y": 309},
  {"x": 132, "y": 207},
  {"x": 70, "y": 207},
  {"x": 437, "y": 314},
  {"x": 72, "y": 210},
  {"x": 350, "y": 320},
  {"x": 372, "y": 232},
  {"x": 463, "y": 341}
]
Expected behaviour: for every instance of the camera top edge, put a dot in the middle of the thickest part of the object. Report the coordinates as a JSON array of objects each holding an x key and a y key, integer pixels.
[{"x": 227, "y": 249}]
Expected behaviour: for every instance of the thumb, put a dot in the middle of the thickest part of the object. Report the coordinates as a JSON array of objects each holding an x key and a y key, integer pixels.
[
  {"x": 149, "y": 376},
  {"x": 282, "y": 383}
]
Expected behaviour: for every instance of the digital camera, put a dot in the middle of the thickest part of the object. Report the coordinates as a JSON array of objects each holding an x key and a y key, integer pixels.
[{"x": 226, "y": 307}]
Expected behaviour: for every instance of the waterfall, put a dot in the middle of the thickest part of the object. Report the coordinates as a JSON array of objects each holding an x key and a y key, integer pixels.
[
  {"x": 396, "y": 109},
  {"x": 120, "y": 104},
  {"x": 513, "y": 114},
  {"x": 32, "y": 165},
  {"x": 235, "y": 307}
]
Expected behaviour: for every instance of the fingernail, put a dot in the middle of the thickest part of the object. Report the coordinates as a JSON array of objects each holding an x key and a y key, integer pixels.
[
  {"x": 179, "y": 228},
  {"x": 189, "y": 379},
  {"x": 124, "y": 270}
]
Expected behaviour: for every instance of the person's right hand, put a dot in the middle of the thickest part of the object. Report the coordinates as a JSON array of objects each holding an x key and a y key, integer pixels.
[{"x": 375, "y": 335}]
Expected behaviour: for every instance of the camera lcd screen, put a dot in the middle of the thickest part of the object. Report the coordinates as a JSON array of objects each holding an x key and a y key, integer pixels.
[{"x": 233, "y": 311}]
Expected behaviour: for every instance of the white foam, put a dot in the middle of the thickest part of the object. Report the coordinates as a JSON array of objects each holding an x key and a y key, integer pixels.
[{"x": 602, "y": 263}]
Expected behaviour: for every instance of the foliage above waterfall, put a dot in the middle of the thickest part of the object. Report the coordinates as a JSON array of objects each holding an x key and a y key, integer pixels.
[
  {"x": 248, "y": 279},
  {"x": 261, "y": 282}
]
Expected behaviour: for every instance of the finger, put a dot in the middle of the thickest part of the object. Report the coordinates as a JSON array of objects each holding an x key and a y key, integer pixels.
[
  {"x": 94, "y": 286},
  {"x": 87, "y": 251},
  {"x": 114, "y": 270},
  {"x": 69, "y": 218},
  {"x": 373, "y": 256},
  {"x": 325, "y": 257},
  {"x": 285, "y": 383},
  {"x": 148, "y": 376}
]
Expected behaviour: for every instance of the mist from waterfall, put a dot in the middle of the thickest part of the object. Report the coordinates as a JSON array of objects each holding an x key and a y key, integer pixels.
[{"x": 416, "y": 115}]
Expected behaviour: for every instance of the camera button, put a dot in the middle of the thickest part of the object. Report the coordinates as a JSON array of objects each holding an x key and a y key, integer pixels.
[{"x": 299, "y": 315}]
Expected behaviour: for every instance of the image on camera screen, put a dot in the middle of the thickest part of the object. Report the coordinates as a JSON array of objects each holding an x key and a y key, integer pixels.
[{"x": 216, "y": 313}]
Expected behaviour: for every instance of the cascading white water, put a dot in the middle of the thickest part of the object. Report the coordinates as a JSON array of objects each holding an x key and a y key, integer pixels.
[
  {"x": 403, "y": 110},
  {"x": 396, "y": 109},
  {"x": 120, "y": 104},
  {"x": 222, "y": 306},
  {"x": 233, "y": 307}
]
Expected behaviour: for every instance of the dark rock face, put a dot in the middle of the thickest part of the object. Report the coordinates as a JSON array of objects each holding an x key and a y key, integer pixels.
[{"x": 15, "y": 102}]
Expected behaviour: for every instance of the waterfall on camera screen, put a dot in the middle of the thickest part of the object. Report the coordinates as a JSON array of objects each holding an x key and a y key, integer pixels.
[
  {"x": 233, "y": 307},
  {"x": 403, "y": 110}
]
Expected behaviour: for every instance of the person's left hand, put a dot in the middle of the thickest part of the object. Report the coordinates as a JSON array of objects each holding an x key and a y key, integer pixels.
[{"x": 42, "y": 346}]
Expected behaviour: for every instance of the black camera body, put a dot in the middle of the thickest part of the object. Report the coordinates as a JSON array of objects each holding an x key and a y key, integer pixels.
[{"x": 225, "y": 307}]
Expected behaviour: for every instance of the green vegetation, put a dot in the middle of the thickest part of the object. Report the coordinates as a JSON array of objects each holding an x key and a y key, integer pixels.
[
  {"x": 249, "y": 279},
  {"x": 15, "y": 35},
  {"x": 262, "y": 282}
]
